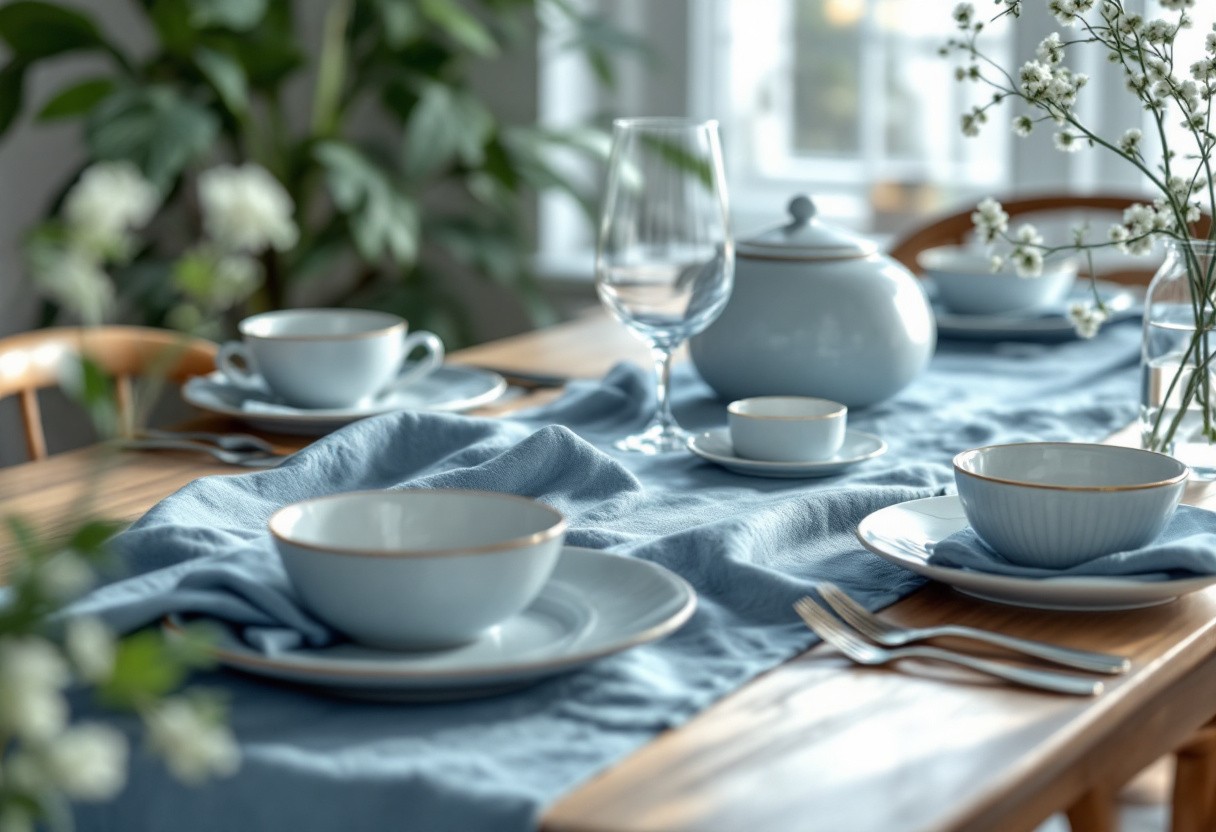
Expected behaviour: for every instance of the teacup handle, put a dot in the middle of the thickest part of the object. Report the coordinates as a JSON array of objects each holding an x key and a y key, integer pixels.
[
  {"x": 426, "y": 365},
  {"x": 246, "y": 376}
]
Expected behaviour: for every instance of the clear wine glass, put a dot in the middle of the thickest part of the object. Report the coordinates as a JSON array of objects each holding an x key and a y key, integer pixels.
[{"x": 665, "y": 260}]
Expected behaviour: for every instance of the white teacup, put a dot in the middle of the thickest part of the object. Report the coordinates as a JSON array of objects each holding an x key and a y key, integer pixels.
[
  {"x": 327, "y": 358},
  {"x": 787, "y": 428}
]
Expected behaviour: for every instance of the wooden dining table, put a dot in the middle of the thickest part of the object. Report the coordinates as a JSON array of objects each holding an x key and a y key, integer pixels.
[{"x": 816, "y": 743}]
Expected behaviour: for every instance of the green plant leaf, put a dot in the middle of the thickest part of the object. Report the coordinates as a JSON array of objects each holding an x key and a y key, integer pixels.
[
  {"x": 91, "y": 538},
  {"x": 35, "y": 29},
  {"x": 172, "y": 21},
  {"x": 12, "y": 82},
  {"x": 460, "y": 26},
  {"x": 145, "y": 667},
  {"x": 154, "y": 127},
  {"x": 383, "y": 219},
  {"x": 446, "y": 124},
  {"x": 269, "y": 53},
  {"x": 28, "y": 542},
  {"x": 76, "y": 99},
  {"x": 400, "y": 22},
  {"x": 226, "y": 74},
  {"x": 93, "y": 389},
  {"x": 238, "y": 15}
]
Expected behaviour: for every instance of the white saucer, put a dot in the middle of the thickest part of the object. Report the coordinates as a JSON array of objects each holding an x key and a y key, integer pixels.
[
  {"x": 715, "y": 446},
  {"x": 1033, "y": 326},
  {"x": 905, "y": 533},
  {"x": 451, "y": 388},
  {"x": 596, "y": 604}
]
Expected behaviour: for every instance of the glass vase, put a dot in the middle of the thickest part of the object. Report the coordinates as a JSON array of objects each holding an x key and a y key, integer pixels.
[{"x": 1177, "y": 409}]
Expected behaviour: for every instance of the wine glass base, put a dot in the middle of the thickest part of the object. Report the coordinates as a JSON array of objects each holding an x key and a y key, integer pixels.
[{"x": 657, "y": 439}]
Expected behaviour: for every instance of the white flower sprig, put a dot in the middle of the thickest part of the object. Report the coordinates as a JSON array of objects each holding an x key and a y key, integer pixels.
[
  {"x": 245, "y": 211},
  {"x": 1143, "y": 51}
]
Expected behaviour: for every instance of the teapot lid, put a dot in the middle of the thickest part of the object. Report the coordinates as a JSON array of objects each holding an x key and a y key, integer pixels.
[{"x": 806, "y": 237}]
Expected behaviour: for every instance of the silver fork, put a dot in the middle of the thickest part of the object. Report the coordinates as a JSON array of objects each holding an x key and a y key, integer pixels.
[
  {"x": 245, "y": 459},
  {"x": 835, "y": 633},
  {"x": 226, "y": 441},
  {"x": 891, "y": 635}
]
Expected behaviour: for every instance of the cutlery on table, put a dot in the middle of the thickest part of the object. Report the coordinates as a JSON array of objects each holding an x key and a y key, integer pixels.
[
  {"x": 834, "y": 632},
  {"x": 527, "y": 380},
  {"x": 245, "y": 459},
  {"x": 892, "y": 635},
  {"x": 226, "y": 441}
]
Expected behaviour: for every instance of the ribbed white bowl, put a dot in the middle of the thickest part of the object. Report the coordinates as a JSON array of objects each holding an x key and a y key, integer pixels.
[
  {"x": 420, "y": 569},
  {"x": 1056, "y": 504}
]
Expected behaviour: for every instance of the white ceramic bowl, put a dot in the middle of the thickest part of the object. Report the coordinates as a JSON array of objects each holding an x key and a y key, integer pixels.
[
  {"x": 786, "y": 428},
  {"x": 417, "y": 569},
  {"x": 967, "y": 285},
  {"x": 1057, "y": 504}
]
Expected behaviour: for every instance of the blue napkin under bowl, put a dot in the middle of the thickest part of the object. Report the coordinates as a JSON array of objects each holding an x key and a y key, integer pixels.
[{"x": 1185, "y": 549}]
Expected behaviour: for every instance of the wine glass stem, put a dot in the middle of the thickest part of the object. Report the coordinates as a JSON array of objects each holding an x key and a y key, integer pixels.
[{"x": 662, "y": 371}]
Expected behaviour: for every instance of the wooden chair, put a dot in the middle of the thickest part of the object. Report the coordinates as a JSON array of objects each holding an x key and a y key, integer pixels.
[
  {"x": 954, "y": 228},
  {"x": 31, "y": 361},
  {"x": 1193, "y": 806}
]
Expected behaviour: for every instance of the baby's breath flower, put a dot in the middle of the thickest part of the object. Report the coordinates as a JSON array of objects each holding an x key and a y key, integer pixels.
[
  {"x": 1204, "y": 70},
  {"x": 1177, "y": 5},
  {"x": 108, "y": 200},
  {"x": 1022, "y": 125},
  {"x": 1028, "y": 262},
  {"x": 1129, "y": 142},
  {"x": 996, "y": 263},
  {"x": 1051, "y": 49},
  {"x": 1086, "y": 319},
  {"x": 91, "y": 647},
  {"x": 1065, "y": 11},
  {"x": 1159, "y": 31},
  {"x": 1209, "y": 42},
  {"x": 76, "y": 280},
  {"x": 32, "y": 674},
  {"x": 990, "y": 220},
  {"x": 964, "y": 15},
  {"x": 1034, "y": 77},
  {"x": 1067, "y": 141},
  {"x": 63, "y": 576},
  {"x": 1028, "y": 235},
  {"x": 245, "y": 209},
  {"x": 972, "y": 121},
  {"x": 88, "y": 762},
  {"x": 194, "y": 744}
]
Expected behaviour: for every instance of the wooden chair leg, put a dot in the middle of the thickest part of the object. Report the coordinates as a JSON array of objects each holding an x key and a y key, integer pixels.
[
  {"x": 1194, "y": 800},
  {"x": 35, "y": 440},
  {"x": 1094, "y": 812},
  {"x": 125, "y": 399}
]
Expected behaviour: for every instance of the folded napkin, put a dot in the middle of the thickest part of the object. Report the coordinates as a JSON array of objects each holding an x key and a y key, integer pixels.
[
  {"x": 233, "y": 573},
  {"x": 1185, "y": 549}
]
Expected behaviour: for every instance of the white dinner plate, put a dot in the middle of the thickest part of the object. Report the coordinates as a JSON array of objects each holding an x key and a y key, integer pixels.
[
  {"x": 1033, "y": 326},
  {"x": 450, "y": 388},
  {"x": 714, "y": 445},
  {"x": 596, "y": 604},
  {"x": 905, "y": 533}
]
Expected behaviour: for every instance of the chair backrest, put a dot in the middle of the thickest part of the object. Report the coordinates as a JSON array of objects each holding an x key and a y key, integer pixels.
[
  {"x": 32, "y": 361},
  {"x": 954, "y": 228}
]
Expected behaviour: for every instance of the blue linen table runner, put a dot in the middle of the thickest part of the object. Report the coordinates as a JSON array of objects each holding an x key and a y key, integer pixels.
[{"x": 749, "y": 546}]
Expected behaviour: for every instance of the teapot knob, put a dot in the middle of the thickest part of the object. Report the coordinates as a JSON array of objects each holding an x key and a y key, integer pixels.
[{"x": 802, "y": 209}]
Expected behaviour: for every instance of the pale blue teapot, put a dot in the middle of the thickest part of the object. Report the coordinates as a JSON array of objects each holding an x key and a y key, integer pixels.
[{"x": 816, "y": 311}]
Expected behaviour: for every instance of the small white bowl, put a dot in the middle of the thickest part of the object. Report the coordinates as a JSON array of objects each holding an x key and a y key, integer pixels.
[
  {"x": 786, "y": 428},
  {"x": 1058, "y": 504},
  {"x": 967, "y": 285},
  {"x": 417, "y": 569}
]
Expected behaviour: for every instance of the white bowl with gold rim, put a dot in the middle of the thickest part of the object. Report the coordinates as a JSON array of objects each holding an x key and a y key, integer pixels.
[
  {"x": 417, "y": 569},
  {"x": 786, "y": 428},
  {"x": 1057, "y": 504}
]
